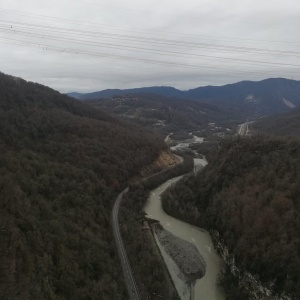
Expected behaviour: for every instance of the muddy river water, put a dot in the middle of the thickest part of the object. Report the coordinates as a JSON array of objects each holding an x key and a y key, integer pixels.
[{"x": 206, "y": 287}]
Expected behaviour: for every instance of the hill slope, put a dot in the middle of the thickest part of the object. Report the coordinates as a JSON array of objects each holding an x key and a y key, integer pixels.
[
  {"x": 169, "y": 114},
  {"x": 249, "y": 193},
  {"x": 61, "y": 165},
  {"x": 287, "y": 124}
]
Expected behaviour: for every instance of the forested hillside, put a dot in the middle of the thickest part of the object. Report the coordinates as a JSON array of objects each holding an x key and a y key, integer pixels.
[
  {"x": 287, "y": 124},
  {"x": 168, "y": 114},
  {"x": 62, "y": 164},
  {"x": 250, "y": 194}
]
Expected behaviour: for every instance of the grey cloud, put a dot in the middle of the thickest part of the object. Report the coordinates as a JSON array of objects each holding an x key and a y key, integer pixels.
[{"x": 225, "y": 29}]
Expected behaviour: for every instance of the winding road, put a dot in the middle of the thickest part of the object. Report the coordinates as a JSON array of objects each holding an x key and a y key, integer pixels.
[{"x": 127, "y": 272}]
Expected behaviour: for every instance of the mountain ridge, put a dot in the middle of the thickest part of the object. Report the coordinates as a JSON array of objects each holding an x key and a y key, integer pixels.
[
  {"x": 172, "y": 91},
  {"x": 257, "y": 98},
  {"x": 161, "y": 90}
]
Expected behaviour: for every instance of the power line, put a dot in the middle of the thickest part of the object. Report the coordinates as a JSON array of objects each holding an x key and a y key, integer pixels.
[
  {"x": 119, "y": 57},
  {"x": 159, "y": 51},
  {"x": 134, "y": 44},
  {"x": 122, "y": 28},
  {"x": 151, "y": 41}
]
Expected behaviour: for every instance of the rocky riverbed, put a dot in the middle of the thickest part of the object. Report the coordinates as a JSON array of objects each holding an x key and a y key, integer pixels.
[{"x": 185, "y": 254}]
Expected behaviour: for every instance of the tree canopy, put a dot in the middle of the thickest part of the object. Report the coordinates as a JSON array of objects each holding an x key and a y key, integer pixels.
[
  {"x": 250, "y": 194},
  {"x": 62, "y": 164}
]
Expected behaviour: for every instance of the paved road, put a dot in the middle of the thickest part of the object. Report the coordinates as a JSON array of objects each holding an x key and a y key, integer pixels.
[{"x": 127, "y": 272}]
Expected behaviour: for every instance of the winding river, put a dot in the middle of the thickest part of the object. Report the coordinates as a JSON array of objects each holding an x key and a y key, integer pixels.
[{"x": 206, "y": 287}]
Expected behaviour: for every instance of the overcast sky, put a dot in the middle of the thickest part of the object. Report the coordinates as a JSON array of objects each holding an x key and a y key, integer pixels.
[{"x": 84, "y": 46}]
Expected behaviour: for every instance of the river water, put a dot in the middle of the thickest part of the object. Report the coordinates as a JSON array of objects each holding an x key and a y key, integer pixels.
[{"x": 206, "y": 287}]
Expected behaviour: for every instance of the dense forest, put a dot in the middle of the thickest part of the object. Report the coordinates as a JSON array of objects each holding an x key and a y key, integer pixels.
[
  {"x": 250, "y": 193},
  {"x": 62, "y": 164},
  {"x": 287, "y": 124}
]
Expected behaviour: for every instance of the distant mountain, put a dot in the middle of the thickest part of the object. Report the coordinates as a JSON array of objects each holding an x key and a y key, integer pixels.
[
  {"x": 159, "y": 90},
  {"x": 75, "y": 95},
  {"x": 266, "y": 97},
  {"x": 253, "y": 99}
]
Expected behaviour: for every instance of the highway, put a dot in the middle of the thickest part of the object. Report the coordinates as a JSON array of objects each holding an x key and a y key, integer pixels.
[{"x": 127, "y": 272}]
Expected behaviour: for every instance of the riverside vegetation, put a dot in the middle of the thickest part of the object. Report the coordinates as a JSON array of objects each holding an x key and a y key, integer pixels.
[
  {"x": 62, "y": 165},
  {"x": 148, "y": 266},
  {"x": 287, "y": 124},
  {"x": 250, "y": 194}
]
